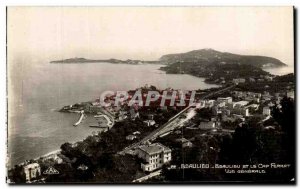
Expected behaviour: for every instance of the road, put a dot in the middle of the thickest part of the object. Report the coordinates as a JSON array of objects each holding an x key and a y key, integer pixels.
[
  {"x": 153, "y": 174},
  {"x": 218, "y": 92},
  {"x": 171, "y": 124}
]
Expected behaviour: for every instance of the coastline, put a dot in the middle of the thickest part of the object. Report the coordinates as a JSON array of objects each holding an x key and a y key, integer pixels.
[
  {"x": 57, "y": 151},
  {"x": 47, "y": 155},
  {"x": 55, "y": 107},
  {"x": 54, "y": 152},
  {"x": 278, "y": 71}
]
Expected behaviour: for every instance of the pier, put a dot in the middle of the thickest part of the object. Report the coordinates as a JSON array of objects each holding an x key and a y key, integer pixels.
[{"x": 80, "y": 119}]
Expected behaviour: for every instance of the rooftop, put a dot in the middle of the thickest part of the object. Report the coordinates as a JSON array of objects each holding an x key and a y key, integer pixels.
[
  {"x": 242, "y": 103},
  {"x": 182, "y": 140},
  {"x": 224, "y": 98},
  {"x": 31, "y": 166},
  {"x": 154, "y": 148}
]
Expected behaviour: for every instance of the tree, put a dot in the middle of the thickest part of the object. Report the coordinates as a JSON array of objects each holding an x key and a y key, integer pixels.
[
  {"x": 285, "y": 117},
  {"x": 17, "y": 174}
]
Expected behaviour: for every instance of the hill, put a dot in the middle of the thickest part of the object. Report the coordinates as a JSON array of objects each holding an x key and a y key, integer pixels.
[{"x": 207, "y": 56}]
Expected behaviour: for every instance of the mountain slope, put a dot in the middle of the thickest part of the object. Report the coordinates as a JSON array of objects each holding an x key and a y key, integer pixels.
[{"x": 207, "y": 56}]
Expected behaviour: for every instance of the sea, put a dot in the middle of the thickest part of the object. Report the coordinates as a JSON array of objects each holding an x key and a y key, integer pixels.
[
  {"x": 37, "y": 91},
  {"x": 281, "y": 70}
]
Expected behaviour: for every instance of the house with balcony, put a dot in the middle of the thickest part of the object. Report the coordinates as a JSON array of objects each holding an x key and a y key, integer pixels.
[{"x": 154, "y": 156}]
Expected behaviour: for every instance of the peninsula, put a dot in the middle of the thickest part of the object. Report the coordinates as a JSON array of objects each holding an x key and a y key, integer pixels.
[
  {"x": 112, "y": 60},
  {"x": 202, "y": 57}
]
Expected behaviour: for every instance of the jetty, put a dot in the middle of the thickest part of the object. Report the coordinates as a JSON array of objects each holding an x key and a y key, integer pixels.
[
  {"x": 99, "y": 126},
  {"x": 80, "y": 118}
]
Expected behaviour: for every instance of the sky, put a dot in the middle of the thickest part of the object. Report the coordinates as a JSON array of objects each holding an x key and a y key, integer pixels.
[{"x": 147, "y": 33}]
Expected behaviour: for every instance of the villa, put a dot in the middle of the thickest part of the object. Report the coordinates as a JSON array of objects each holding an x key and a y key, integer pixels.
[{"x": 154, "y": 156}]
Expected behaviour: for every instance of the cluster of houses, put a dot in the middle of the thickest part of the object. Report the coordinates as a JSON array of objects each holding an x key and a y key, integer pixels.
[
  {"x": 237, "y": 106},
  {"x": 230, "y": 110},
  {"x": 261, "y": 78},
  {"x": 226, "y": 108},
  {"x": 245, "y": 103},
  {"x": 248, "y": 96},
  {"x": 155, "y": 155},
  {"x": 261, "y": 97}
]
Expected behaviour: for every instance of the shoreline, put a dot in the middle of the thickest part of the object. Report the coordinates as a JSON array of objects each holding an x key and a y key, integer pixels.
[
  {"x": 48, "y": 154},
  {"x": 54, "y": 152},
  {"x": 51, "y": 153}
]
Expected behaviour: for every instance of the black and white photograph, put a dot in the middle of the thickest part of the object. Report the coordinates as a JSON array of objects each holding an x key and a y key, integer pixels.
[{"x": 150, "y": 95}]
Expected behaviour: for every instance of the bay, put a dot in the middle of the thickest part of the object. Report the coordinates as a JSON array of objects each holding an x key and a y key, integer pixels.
[{"x": 37, "y": 91}]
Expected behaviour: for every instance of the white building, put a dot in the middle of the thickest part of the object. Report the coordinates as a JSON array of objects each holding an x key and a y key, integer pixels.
[
  {"x": 185, "y": 142},
  {"x": 251, "y": 79},
  {"x": 253, "y": 106},
  {"x": 269, "y": 78},
  {"x": 136, "y": 133},
  {"x": 240, "y": 103},
  {"x": 239, "y": 80},
  {"x": 55, "y": 156},
  {"x": 154, "y": 156},
  {"x": 236, "y": 116},
  {"x": 266, "y": 111},
  {"x": 240, "y": 111},
  {"x": 82, "y": 167},
  {"x": 32, "y": 171},
  {"x": 250, "y": 98},
  {"x": 149, "y": 122},
  {"x": 200, "y": 104},
  {"x": 221, "y": 104},
  {"x": 210, "y": 103},
  {"x": 290, "y": 94},
  {"x": 130, "y": 137},
  {"x": 207, "y": 125},
  {"x": 225, "y": 99}
]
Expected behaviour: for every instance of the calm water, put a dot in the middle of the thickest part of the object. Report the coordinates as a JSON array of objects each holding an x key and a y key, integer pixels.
[{"x": 36, "y": 128}]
